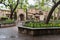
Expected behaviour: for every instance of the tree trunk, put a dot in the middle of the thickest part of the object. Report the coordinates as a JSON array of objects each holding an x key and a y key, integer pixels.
[
  {"x": 15, "y": 16},
  {"x": 21, "y": 5},
  {"x": 26, "y": 15},
  {"x": 58, "y": 13},
  {"x": 13, "y": 9},
  {"x": 51, "y": 11},
  {"x": 53, "y": 16},
  {"x": 11, "y": 15}
]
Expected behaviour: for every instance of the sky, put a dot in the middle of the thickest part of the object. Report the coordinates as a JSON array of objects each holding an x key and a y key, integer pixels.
[{"x": 31, "y": 2}]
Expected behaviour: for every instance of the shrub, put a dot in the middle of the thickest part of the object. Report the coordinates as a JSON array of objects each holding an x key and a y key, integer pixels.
[
  {"x": 8, "y": 21},
  {"x": 3, "y": 18},
  {"x": 41, "y": 24}
]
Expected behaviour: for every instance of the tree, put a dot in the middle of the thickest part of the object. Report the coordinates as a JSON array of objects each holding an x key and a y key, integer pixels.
[
  {"x": 15, "y": 15},
  {"x": 12, "y": 4},
  {"x": 25, "y": 7},
  {"x": 39, "y": 3},
  {"x": 42, "y": 4},
  {"x": 51, "y": 11},
  {"x": 1, "y": 1},
  {"x": 55, "y": 1},
  {"x": 21, "y": 4}
]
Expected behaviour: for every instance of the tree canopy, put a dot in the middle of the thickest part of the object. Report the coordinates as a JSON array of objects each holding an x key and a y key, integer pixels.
[
  {"x": 51, "y": 11},
  {"x": 12, "y": 4}
]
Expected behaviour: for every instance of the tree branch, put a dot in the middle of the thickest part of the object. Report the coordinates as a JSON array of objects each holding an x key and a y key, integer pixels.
[
  {"x": 51, "y": 11},
  {"x": 16, "y": 5},
  {"x": 4, "y": 4},
  {"x": 1, "y": 1},
  {"x": 54, "y": 1},
  {"x": 11, "y": 8}
]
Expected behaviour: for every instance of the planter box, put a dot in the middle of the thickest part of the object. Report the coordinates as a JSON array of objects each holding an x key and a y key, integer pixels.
[
  {"x": 39, "y": 31},
  {"x": 7, "y": 25}
]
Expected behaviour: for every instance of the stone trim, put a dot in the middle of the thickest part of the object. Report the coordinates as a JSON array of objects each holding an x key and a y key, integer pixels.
[{"x": 39, "y": 31}]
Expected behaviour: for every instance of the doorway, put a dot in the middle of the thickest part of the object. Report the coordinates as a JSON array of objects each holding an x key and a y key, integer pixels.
[{"x": 21, "y": 17}]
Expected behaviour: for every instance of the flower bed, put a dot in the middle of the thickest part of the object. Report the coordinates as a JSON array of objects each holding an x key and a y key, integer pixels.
[
  {"x": 41, "y": 24},
  {"x": 7, "y": 23}
]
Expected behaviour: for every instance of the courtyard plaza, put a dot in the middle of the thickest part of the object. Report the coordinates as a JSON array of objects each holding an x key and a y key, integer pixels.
[{"x": 11, "y": 33}]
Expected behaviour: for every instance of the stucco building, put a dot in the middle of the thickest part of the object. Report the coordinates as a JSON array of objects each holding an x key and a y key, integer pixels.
[
  {"x": 4, "y": 12},
  {"x": 32, "y": 13}
]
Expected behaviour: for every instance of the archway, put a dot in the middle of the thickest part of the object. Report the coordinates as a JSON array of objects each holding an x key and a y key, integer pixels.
[
  {"x": 51, "y": 11},
  {"x": 21, "y": 17}
]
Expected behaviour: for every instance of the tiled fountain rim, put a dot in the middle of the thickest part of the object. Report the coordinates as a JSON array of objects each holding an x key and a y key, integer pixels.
[
  {"x": 39, "y": 31},
  {"x": 7, "y": 25},
  {"x": 41, "y": 27}
]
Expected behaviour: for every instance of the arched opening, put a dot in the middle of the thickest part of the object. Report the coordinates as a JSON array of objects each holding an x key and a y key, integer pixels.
[{"x": 21, "y": 17}]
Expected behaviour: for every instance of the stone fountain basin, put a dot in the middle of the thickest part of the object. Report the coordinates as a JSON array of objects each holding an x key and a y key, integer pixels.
[
  {"x": 39, "y": 31},
  {"x": 7, "y": 25}
]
